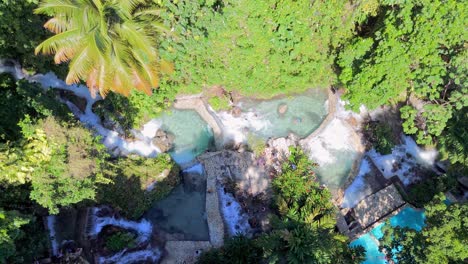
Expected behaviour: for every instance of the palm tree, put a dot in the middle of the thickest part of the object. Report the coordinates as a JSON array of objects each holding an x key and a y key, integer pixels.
[{"x": 110, "y": 44}]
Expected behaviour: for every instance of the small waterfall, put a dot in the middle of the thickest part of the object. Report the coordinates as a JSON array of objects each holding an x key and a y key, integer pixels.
[
  {"x": 403, "y": 159},
  {"x": 52, "y": 234},
  {"x": 144, "y": 228},
  {"x": 358, "y": 188},
  {"x": 236, "y": 221},
  {"x": 125, "y": 257}
]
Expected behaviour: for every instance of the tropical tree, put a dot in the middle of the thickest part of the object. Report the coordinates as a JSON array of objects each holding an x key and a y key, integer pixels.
[
  {"x": 110, "y": 44},
  {"x": 413, "y": 51},
  {"x": 444, "y": 239},
  {"x": 10, "y": 223}
]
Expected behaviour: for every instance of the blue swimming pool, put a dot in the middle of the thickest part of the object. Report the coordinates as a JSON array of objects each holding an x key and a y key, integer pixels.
[{"x": 408, "y": 217}]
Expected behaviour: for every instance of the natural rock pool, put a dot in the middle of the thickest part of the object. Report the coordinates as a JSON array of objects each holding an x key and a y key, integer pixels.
[
  {"x": 182, "y": 212},
  {"x": 192, "y": 134},
  {"x": 300, "y": 114}
]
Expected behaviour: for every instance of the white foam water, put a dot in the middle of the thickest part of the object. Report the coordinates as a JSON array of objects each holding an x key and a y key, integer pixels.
[
  {"x": 399, "y": 163},
  {"x": 111, "y": 139},
  {"x": 236, "y": 221},
  {"x": 357, "y": 190},
  {"x": 125, "y": 257},
  {"x": 144, "y": 228},
  {"x": 52, "y": 233}
]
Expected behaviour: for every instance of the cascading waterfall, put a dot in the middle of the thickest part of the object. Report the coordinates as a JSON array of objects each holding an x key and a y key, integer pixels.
[
  {"x": 51, "y": 226},
  {"x": 143, "y": 228},
  {"x": 111, "y": 139},
  {"x": 403, "y": 158},
  {"x": 125, "y": 257},
  {"x": 236, "y": 221}
]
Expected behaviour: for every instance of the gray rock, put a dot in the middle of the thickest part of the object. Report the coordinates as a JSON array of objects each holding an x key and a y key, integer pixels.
[{"x": 163, "y": 140}]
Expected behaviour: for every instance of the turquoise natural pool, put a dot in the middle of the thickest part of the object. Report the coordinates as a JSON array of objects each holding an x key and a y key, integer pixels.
[
  {"x": 192, "y": 134},
  {"x": 305, "y": 113},
  {"x": 182, "y": 212},
  {"x": 408, "y": 217}
]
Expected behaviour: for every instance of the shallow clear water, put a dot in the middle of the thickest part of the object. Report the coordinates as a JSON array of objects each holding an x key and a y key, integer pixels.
[
  {"x": 373, "y": 255},
  {"x": 183, "y": 210},
  {"x": 305, "y": 113},
  {"x": 192, "y": 134},
  {"x": 335, "y": 174},
  {"x": 408, "y": 217}
]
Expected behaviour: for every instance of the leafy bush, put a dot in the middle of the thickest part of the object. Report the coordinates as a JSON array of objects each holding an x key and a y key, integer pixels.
[
  {"x": 259, "y": 48},
  {"x": 423, "y": 192},
  {"x": 236, "y": 250},
  {"x": 410, "y": 48},
  {"x": 21, "y": 98},
  {"x": 303, "y": 229},
  {"x": 74, "y": 168},
  {"x": 20, "y": 32},
  {"x": 380, "y": 136},
  {"x": 444, "y": 237},
  {"x": 120, "y": 240},
  {"x": 131, "y": 178}
]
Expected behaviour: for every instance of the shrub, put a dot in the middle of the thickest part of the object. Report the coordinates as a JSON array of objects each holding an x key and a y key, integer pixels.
[
  {"x": 236, "y": 250},
  {"x": 380, "y": 136},
  {"x": 120, "y": 240},
  {"x": 423, "y": 192}
]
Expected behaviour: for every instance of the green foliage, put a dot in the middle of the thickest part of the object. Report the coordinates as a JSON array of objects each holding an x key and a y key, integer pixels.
[
  {"x": 131, "y": 178},
  {"x": 417, "y": 48},
  {"x": 422, "y": 193},
  {"x": 380, "y": 136},
  {"x": 260, "y": 48},
  {"x": 21, "y": 98},
  {"x": 453, "y": 143},
  {"x": 61, "y": 161},
  {"x": 404, "y": 51},
  {"x": 444, "y": 239},
  {"x": 236, "y": 250},
  {"x": 18, "y": 163},
  {"x": 304, "y": 230},
  {"x": 256, "y": 144},
  {"x": 218, "y": 103},
  {"x": 120, "y": 240},
  {"x": 136, "y": 109},
  {"x": 10, "y": 223},
  {"x": 110, "y": 44},
  {"x": 74, "y": 167},
  {"x": 20, "y": 32}
]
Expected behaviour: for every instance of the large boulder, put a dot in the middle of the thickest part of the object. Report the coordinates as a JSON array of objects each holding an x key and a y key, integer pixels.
[{"x": 163, "y": 140}]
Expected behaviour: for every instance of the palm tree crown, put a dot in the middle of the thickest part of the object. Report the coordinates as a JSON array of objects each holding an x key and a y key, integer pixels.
[{"x": 110, "y": 44}]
